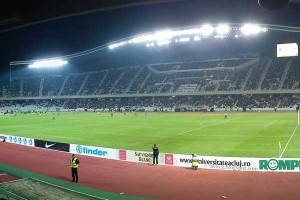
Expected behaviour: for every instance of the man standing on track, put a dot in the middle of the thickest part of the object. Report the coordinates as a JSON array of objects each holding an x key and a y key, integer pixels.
[
  {"x": 155, "y": 154},
  {"x": 74, "y": 168}
]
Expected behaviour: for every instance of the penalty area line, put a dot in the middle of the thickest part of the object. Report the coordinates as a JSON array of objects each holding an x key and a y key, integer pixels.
[
  {"x": 207, "y": 126},
  {"x": 271, "y": 123},
  {"x": 288, "y": 141}
]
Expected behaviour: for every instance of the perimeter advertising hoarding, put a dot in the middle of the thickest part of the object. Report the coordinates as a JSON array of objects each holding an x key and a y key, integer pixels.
[
  {"x": 169, "y": 159},
  {"x": 221, "y": 163},
  {"x": 122, "y": 154},
  {"x": 52, "y": 145},
  {"x": 145, "y": 157},
  {"x": 17, "y": 140},
  {"x": 142, "y": 156},
  {"x": 3, "y": 138},
  {"x": 279, "y": 164},
  {"x": 93, "y": 151}
]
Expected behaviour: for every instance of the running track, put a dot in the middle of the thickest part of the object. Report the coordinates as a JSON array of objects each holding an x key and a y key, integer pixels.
[{"x": 160, "y": 182}]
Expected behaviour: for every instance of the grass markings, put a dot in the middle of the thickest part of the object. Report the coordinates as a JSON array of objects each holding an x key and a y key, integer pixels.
[
  {"x": 205, "y": 126},
  {"x": 288, "y": 141},
  {"x": 271, "y": 123}
]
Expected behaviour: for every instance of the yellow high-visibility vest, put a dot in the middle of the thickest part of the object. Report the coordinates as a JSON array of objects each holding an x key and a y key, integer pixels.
[
  {"x": 73, "y": 163},
  {"x": 195, "y": 161}
]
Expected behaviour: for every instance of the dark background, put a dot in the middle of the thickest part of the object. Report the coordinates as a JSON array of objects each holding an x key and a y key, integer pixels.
[{"x": 63, "y": 35}]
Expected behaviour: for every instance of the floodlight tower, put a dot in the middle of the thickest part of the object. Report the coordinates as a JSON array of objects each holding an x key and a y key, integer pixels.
[
  {"x": 53, "y": 63},
  {"x": 37, "y": 64}
]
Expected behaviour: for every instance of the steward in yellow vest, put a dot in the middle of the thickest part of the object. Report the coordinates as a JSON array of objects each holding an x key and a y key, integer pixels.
[
  {"x": 195, "y": 162},
  {"x": 74, "y": 168}
]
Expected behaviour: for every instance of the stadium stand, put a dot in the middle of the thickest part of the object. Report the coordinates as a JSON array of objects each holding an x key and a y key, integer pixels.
[
  {"x": 52, "y": 85},
  {"x": 292, "y": 76},
  {"x": 192, "y": 85},
  {"x": 31, "y": 87}
]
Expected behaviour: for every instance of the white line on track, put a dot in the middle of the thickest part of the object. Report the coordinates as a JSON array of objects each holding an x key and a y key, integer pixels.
[
  {"x": 207, "y": 126},
  {"x": 271, "y": 123},
  {"x": 288, "y": 141}
]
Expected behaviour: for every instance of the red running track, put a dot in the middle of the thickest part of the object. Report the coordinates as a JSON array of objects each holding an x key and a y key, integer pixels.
[{"x": 161, "y": 182}]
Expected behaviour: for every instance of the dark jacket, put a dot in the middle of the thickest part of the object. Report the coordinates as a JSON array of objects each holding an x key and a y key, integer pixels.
[{"x": 155, "y": 150}]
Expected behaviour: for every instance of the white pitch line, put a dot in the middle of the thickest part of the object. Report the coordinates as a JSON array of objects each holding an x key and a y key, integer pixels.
[
  {"x": 206, "y": 126},
  {"x": 202, "y": 124},
  {"x": 271, "y": 123},
  {"x": 288, "y": 141}
]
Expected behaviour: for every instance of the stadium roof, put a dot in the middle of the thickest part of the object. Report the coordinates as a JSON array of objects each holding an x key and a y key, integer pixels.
[{"x": 19, "y": 13}]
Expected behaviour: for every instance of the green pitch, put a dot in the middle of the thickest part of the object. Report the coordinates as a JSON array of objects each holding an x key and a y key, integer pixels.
[{"x": 242, "y": 134}]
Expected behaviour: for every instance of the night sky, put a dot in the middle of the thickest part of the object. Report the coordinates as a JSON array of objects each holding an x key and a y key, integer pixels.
[{"x": 71, "y": 35}]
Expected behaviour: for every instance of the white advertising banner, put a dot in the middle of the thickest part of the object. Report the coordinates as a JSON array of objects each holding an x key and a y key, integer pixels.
[
  {"x": 3, "y": 137},
  {"x": 139, "y": 156},
  {"x": 221, "y": 163},
  {"x": 279, "y": 164},
  {"x": 241, "y": 164},
  {"x": 93, "y": 151},
  {"x": 17, "y": 140}
]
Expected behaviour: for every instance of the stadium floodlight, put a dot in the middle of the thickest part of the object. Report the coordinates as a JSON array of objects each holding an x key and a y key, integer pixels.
[
  {"x": 112, "y": 46},
  {"x": 206, "y": 30},
  {"x": 142, "y": 38},
  {"x": 184, "y": 39},
  {"x": 264, "y": 29},
  {"x": 164, "y": 42},
  {"x": 222, "y": 29},
  {"x": 163, "y": 35},
  {"x": 187, "y": 32},
  {"x": 219, "y": 36},
  {"x": 150, "y": 44},
  {"x": 48, "y": 63},
  {"x": 251, "y": 29},
  {"x": 197, "y": 38}
]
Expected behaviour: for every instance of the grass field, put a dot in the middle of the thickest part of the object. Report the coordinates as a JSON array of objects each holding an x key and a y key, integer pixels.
[{"x": 242, "y": 134}]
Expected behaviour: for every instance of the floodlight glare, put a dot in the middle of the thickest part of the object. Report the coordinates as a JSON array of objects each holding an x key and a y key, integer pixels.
[
  {"x": 150, "y": 44},
  {"x": 140, "y": 39},
  {"x": 112, "y": 46},
  {"x": 48, "y": 63},
  {"x": 206, "y": 30},
  {"x": 264, "y": 29},
  {"x": 222, "y": 29},
  {"x": 184, "y": 39},
  {"x": 197, "y": 38},
  {"x": 160, "y": 43},
  {"x": 251, "y": 29},
  {"x": 163, "y": 35},
  {"x": 187, "y": 31}
]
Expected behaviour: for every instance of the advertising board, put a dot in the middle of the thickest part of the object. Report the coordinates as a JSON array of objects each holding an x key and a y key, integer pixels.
[{"x": 94, "y": 151}]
